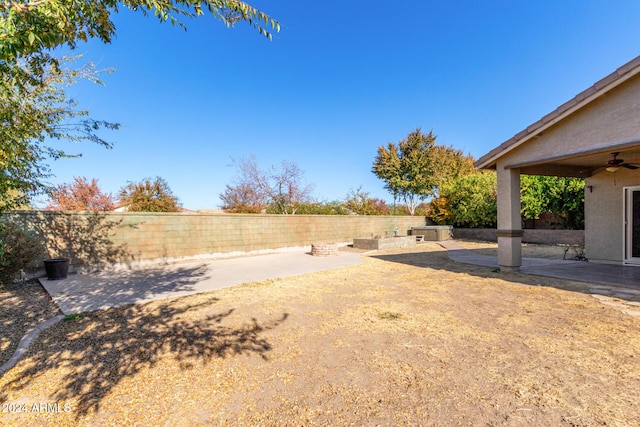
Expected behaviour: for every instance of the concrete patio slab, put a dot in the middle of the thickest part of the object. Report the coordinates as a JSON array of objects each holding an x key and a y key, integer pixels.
[
  {"x": 88, "y": 292},
  {"x": 615, "y": 279}
]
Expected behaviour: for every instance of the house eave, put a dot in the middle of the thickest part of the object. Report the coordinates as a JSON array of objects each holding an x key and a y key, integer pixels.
[{"x": 600, "y": 88}]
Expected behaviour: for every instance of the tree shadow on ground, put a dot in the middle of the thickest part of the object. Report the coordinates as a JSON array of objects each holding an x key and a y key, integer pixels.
[
  {"x": 85, "y": 238},
  {"x": 23, "y": 306},
  {"x": 83, "y": 293},
  {"x": 440, "y": 260},
  {"x": 95, "y": 351}
]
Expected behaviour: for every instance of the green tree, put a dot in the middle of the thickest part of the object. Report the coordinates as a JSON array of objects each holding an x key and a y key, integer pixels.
[
  {"x": 34, "y": 106},
  {"x": 149, "y": 195},
  {"x": 19, "y": 246},
  {"x": 561, "y": 196},
  {"x": 449, "y": 164},
  {"x": 565, "y": 200},
  {"x": 14, "y": 199},
  {"x": 471, "y": 200},
  {"x": 534, "y": 197},
  {"x": 468, "y": 202},
  {"x": 406, "y": 168},
  {"x": 321, "y": 208},
  {"x": 416, "y": 167},
  {"x": 34, "y": 112},
  {"x": 37, "y": 26}
]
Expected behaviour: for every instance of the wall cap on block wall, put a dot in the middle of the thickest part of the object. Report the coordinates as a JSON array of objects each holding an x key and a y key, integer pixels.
[{"x": 509, "y": 233}]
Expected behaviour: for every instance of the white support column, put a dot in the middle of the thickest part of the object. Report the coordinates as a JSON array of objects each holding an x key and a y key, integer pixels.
[{"x": 509, "y": 219}]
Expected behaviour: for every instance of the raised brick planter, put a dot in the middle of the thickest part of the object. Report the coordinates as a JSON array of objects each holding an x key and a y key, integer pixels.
[{"x": 324, "y": 249}]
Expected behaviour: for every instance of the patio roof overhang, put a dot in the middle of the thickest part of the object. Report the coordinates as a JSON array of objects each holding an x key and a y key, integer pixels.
[
  {"x": 579, "y": 164},
  {"x": 571, "y": 163}
]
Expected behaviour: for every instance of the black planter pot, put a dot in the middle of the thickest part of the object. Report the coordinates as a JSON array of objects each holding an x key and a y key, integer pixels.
[{"x": 56, "y": 268}]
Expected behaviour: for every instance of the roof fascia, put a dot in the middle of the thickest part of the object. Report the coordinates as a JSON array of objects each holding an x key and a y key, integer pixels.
[{"x": 600, "y": 88}]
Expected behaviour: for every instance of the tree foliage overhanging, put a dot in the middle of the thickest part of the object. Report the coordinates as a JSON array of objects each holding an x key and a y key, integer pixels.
[
  {"x": 37, "y": 26},
  {"x": 34, "y": 107},
  {"x": 34, "y": 111}
]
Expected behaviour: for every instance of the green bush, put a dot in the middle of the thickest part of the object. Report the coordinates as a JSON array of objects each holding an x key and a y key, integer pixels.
[
  {"x": 467, "y": 202},
  {"x": 18, "y": 248},
  {"x": 471, "y": 201}
]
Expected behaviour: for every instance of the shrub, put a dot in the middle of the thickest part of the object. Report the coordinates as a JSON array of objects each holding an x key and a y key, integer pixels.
[
  {"x": 18, "y": 248},
  {"x": 467, "y": 202}
]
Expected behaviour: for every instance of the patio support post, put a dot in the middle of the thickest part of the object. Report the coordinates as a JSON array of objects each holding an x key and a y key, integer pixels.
[{"x": 509, "y": 219}]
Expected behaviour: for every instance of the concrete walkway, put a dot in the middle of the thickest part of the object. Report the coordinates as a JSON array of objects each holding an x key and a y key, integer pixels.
[
  {"x": 613, "y": 280},
  {"x": 87, "y": 292}
]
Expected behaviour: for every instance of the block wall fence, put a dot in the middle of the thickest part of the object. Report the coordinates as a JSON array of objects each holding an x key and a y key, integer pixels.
[
  {"x": 547, "y": 237},
  {"x": 89, "y": 238}
]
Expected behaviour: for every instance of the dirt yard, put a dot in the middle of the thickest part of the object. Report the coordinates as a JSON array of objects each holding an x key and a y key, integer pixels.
[{"x": 406, "y": 338}]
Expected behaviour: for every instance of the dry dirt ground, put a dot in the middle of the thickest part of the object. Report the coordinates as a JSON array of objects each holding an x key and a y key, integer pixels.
[{"x": 406, "y": 338}]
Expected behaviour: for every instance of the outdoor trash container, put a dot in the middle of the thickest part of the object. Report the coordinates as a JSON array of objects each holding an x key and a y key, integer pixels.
[{"x": 56, "y": 268}]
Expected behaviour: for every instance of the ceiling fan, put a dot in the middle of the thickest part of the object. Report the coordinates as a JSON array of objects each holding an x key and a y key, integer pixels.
[{"x": 615, "y": 163}]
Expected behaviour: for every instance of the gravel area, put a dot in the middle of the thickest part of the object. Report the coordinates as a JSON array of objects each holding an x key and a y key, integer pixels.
[
  {"x": 23, "y": 306},
  {"x": 406, "y": 338}
]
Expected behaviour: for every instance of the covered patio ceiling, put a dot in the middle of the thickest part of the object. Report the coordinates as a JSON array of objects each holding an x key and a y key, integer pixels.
[{"x": 581, "y": 164}]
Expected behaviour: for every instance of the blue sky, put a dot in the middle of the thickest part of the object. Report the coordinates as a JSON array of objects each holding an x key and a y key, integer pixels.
[{"x": 340, "y": 79}]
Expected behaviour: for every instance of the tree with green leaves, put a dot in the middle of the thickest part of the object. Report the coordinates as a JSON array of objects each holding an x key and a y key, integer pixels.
[
  {"x": 450, "y": 164},
  {"x": 406, "y": 168},
  {"x": 31, "y": 30},
  {"x": 34, "y": 107},
  {"x": 471, "y": 200},
  {"x": 561, "y": 196},
  {"x": 415, "y": 167},
  {"x": 149, "y": 195},
  {"x": 37, "y": 26},
  {"x": 33, "y": 113}
]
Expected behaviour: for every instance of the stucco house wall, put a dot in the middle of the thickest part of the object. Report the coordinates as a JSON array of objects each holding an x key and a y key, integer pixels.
[
  {"x": 608, "y": 120},
  {"x": 577, "y": 139},
  {"x": 603, "y": 215}
]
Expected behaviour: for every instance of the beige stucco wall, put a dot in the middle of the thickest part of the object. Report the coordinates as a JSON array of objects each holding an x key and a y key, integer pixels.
[
  {"x": 611, "y": 119},
  {"x": 603, "y": 218}
]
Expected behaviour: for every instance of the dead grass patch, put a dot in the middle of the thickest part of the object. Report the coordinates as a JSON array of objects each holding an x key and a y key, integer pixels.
[{"x": 406, "y": 338}]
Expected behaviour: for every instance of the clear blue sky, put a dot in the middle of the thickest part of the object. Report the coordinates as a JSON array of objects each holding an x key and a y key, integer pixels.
[{"x": 340, "y": 79}]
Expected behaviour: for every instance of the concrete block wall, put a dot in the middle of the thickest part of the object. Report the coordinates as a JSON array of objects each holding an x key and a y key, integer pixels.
[
  {"x": 114, "y": 237},
  {"x": 547, "y": 237}
]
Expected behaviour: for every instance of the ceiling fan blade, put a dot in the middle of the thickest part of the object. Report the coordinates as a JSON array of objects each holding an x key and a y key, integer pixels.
[{"x": 629, "y": 166}]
